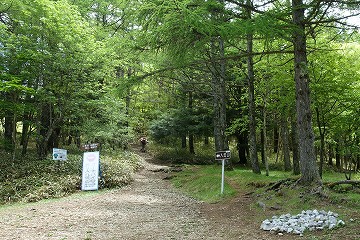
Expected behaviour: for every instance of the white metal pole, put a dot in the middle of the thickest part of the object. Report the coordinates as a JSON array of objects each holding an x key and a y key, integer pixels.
[{"x": 222, "y": 175}]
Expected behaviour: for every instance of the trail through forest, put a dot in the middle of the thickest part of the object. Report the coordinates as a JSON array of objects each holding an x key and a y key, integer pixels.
[{"x": 149, "y": 208}]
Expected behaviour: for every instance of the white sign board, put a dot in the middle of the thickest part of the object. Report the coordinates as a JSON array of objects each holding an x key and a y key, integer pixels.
[
  {"x": 90, "y": 171},
  {"x": 59, "y": 154}
]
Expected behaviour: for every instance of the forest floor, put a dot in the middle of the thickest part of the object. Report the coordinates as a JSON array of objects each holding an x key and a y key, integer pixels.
[{"x": 149, "y": 208}]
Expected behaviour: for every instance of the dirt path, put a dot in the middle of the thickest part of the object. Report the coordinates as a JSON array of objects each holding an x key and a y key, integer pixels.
[{"x": 149, "y": 208}]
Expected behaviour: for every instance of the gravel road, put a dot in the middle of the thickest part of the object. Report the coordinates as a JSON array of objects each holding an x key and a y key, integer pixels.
[{"x": 149, "y": 208}]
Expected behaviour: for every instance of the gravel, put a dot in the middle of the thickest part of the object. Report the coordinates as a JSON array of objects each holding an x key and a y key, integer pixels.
[{"x": 306, "y": 220}]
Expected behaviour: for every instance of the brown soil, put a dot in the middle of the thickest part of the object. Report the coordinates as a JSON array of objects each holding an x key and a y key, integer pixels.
[{"x": 149, "y": 208}]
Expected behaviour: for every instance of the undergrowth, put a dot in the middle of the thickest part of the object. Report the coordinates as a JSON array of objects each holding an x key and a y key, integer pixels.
[
  {"x": 28, "y": 179},
  {"x": 203, "y": 183},
  {"x": 204, "y": 154}
]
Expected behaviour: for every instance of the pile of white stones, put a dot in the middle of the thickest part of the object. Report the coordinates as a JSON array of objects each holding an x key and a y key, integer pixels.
[{"x": 306, "y": 220}]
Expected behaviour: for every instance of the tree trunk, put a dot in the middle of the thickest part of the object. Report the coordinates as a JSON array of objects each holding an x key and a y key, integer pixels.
[
  {"x": 251, "y": 92},
  {"x": 309, "y": 170},
  {"x": 206, "y": 140},
  {"x": 191, "y": 134},
  {"x": 46, "y": 128},
  {"x": 183, "y": 141},
  {"x": 9, "y": 145},
  {"x": 25, "y": 133},
  {"x": 219, "y": 91},
  {"x": 265, "y": 140},
  {"x": 242, "y": 147},
  {"x": 286, "y": 148},
  {"x": 44, "y": 125},
  {"x": 337, "y": 155},
  {"x": 262, "y": 141},
  {"x": 322, "y": 130},
  {"x": 276, "y": 139},
  {"x": 295, "y": 148},
  {"x": 331, "y": 155},
  {"x": 191, "y": 143}
]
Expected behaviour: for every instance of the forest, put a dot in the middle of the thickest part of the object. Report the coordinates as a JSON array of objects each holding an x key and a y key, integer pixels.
[{"x": 267, "y": 79}]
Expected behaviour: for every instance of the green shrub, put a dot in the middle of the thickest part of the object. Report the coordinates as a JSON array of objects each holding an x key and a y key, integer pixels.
[
  {"x": 29, "y": 179},
  {"x": 170, "y": 154},
  {"x": 118, "y": 170}
]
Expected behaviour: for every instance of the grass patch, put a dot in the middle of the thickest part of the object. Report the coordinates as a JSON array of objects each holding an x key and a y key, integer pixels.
[{"x": 203, "y": 183}]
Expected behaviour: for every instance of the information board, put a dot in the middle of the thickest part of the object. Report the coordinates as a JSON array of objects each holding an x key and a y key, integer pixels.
[
  {"x": 90, "y": 146},
  {"x": 90, "y": 171},
  {"x": 59, "y": 154}
]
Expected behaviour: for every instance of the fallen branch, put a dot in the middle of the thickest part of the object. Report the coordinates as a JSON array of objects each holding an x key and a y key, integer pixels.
[
  {"x": 276, "y": 186},
  {"x": 351, "y": 182}
]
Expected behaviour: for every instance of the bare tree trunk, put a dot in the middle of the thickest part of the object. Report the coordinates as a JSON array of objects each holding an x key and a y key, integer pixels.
[
  {"x": 9, "y": 145},
  {"x": 10, "y": 123},
  {"x": 219, "y": 91},
  {"x": 26, "y": 128},
  {"x": 242, "y": 147},
  {"x": 251, "y": 92},
  {"x": 191, "y": 135},
  {"x": 276, "y": 139},
  {"x": 183, "y": 141},
  {"x": 262, "y": 141},
  {"x": 295, "y": 148},
  {"x": 322, "y": 131},
  {"x": 309, "y": 169},
  {"x": 191, "y": 143},
  {"x": 331, "y": 155},
  {"x": 337, "y": 155},
  {"x": 285, "y": 140},
  {"x": 206, "y": 140},
  {"x": 266, "y": 162}
]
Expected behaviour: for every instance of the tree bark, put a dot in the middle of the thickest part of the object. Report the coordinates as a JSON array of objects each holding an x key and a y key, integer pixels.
[
  {"x": 191, "y": 134},
  {"x": 251, "y": 92},
  {"x": 322, "y": 131},
  {"x": 9, "y": 145},
  {"x": 331, "y": 155},
  {"x": 309, "y": 170},
  {"x": 242, "y": 147},
  {"x": 276, "y": 139},
  {"x": 219, "y": 91},
  {"x": 264, "y": 147},
  {"x": 285, "y": 140},
  {"x": 337, "y": 155},
  {"x": 295, "y": 148},
  {"x": 25, "y": 132},
  {"x": 46, "y": 129},
  {"x": 183, "y": 141}
]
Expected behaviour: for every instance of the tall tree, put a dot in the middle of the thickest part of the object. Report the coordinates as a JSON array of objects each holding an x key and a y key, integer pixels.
[
  {"x": 309, "y": 170},
  {"x": 251, "y": 92}
]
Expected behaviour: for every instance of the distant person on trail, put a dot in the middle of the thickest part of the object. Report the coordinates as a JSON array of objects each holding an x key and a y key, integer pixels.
[{"x": 143, "y": 142}]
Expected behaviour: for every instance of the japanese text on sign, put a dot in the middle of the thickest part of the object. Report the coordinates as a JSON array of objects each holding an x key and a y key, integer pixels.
[
  {"x": 222, "y": 155},
  {"x": 59, "y": 154},
  {"x": 90, "y": 171}
]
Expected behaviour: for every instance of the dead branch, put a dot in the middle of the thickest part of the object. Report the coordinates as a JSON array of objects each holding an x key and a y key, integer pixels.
[{"x": 351, "y": 182}]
